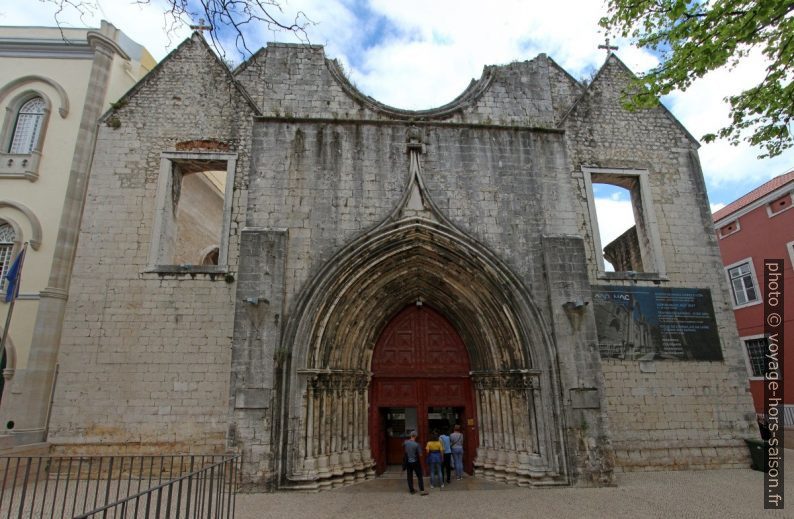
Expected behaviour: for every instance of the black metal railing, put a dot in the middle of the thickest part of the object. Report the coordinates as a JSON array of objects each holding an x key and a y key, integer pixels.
[{"x": 119, "y": 486}]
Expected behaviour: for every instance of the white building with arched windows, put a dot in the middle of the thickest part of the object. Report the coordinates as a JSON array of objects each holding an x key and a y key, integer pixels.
[{"x": 54, "y": 85}]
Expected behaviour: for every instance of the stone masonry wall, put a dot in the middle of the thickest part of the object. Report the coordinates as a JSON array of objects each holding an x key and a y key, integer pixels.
[
  {"x": 145, "y": 357},
  {"x": 327, "y": 183},
  {"x": 297, "y": 81},
  {"x": 680, "y": 413}
]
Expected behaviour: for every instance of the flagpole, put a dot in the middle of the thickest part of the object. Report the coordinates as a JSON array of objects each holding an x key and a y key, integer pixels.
[{"x": 11, "y": 304}]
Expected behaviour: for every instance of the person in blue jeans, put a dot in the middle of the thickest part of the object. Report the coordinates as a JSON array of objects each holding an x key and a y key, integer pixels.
[
  {"x": 444, "y": 439},
  {"x": 413, "y": 465},
  {"x": 456, "y": 445},
  {"x": 435, "y": 458}
]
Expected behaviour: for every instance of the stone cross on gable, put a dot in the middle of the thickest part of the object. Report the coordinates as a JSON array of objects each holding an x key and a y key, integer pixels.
[
  {"x": 607, "y": 47},
  {"x": 202, "y": 27}
]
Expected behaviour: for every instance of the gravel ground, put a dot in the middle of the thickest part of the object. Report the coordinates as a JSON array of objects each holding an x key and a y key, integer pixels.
[{"x": 679, "y": 494}]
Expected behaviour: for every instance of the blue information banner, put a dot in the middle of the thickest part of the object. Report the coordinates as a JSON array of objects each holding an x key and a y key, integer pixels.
[{"x": 646, "y": 323}]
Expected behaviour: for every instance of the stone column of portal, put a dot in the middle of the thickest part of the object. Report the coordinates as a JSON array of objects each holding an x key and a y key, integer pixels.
[
  {"x": 366, "y": 454},
  {"x": 30, "y": 409},
  {"x": 346, "y": 459},
  {"x": 351, "y": 425},
  {"x": 520, "y": 400},
  {"x": 510, "y": 419},
  {"x": 500, "y": 465},
  {"x": 518, "y": 404},
  {"x": 481, "y": 453},
  {"x": 336, "y": 429},
  {"x": 322, "y": 433},
  {"x": 355, "y": 443},
  {"x": 317, "y": 437},
  {"x": 310, "y": 461},
  {"x": 489, "y": 432},
  {"x": 533, "y": 394}
]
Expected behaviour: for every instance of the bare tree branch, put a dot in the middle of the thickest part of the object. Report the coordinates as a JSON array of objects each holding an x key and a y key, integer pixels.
[{"x": 231, "y": 22}]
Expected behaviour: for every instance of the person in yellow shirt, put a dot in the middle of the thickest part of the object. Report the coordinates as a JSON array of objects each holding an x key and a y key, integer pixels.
[{"x": 435, "y": 458}]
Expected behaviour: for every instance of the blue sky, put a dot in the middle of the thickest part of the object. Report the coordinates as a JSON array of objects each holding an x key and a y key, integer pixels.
[{"x": 420, "y": 54}]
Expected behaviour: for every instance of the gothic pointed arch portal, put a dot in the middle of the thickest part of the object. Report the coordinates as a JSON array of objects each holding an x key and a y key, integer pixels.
[{"x": 416, "y": 254}]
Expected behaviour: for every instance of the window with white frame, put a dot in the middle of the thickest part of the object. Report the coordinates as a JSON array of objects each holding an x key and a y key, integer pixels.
[
  {"x": 756, "y": 355},
  {"x": 27, "y": 126},
  {"x": 22, "y": 134},
  {"x": 7, "y": 237},
  {"x": 194, "y": 211},
  {"x": 743, "y": 285}
]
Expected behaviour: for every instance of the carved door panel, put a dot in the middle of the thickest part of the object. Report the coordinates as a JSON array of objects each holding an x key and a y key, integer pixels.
[{"x": 419, "y": 362}]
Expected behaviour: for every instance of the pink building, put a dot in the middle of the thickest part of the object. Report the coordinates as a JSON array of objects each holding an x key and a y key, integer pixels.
[{"x": 759, "y": 226}]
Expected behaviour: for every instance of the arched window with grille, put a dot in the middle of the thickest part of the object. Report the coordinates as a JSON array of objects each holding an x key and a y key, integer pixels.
[
  {"x": 7, "y": 237},
  {"x": 27, "y": 127}
]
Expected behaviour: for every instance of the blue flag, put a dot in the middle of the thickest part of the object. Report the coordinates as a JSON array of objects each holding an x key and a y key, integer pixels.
[{"x": 14, "y": 275}]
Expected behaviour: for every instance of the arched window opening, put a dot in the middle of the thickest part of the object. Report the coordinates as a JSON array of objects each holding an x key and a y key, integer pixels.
[
  {"x": 7, "y": 237},
  {"x": 28, "y": 126},
  {"x": 211, "y": 258}
]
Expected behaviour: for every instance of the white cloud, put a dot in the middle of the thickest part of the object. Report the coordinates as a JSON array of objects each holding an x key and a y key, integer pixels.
[
  {"x": 426, "y": 53},
  {"x": 716, "y": 207},
  {"x": 436, "y": 54},
  {"x": 143, "y": 23}
]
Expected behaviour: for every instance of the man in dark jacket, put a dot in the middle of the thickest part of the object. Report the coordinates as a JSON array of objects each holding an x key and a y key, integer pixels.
[{"x": 412, "y": 464}]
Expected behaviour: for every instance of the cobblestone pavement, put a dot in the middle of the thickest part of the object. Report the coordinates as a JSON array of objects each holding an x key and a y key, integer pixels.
[{"x": 681, "y": 494}]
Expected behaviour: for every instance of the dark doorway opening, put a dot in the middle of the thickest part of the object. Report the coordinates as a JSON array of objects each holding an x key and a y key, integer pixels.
[
  {"x": 443, "y": 419},
  {"x": 398, "y": 423}
]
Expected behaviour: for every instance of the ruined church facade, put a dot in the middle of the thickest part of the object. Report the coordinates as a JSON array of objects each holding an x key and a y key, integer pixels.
[{"x": 368, "y": 259}]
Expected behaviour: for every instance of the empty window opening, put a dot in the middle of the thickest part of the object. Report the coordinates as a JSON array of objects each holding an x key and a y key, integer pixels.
[
  {"x": 623, "y": 222},
  {"x": 617, "y": 227},
  {"x": 28, "y": 126},
  {"x": 211, "y": 257},
  {"x": 193, "y": 216},
  {"x": 198, "y": 208}
]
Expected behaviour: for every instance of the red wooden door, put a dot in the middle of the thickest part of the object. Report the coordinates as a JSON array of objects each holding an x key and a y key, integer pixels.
[{"x": 419, "y": 362}]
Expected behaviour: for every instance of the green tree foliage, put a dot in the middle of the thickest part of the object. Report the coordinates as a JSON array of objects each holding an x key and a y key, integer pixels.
[{"x": 695, "y": 37}]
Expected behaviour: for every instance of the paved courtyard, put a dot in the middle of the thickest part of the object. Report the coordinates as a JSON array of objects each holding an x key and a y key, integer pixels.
[{"x": 681, "y": 494}]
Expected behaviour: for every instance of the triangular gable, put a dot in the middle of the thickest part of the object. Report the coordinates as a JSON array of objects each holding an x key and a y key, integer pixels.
[
  {"x": 197, "y": 37},
  {"x": 239, "y": 69},
  {"x": 575, "y": 84},
  {"x": 613, "y": 60},
  {"x": 567, "y": 74}
]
